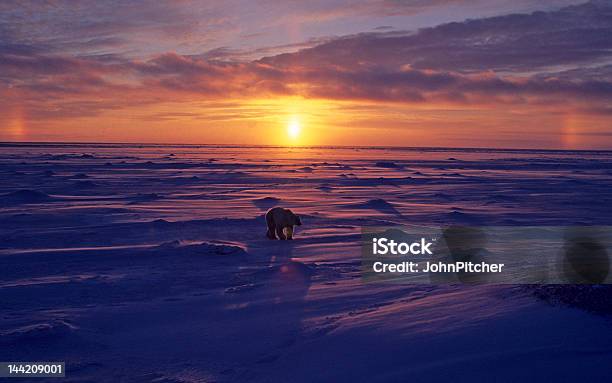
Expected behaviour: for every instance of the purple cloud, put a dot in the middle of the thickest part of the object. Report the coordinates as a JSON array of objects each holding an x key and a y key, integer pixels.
[
  {"x": 518, "y": 42},
  {"x": 513, "y": 59}
]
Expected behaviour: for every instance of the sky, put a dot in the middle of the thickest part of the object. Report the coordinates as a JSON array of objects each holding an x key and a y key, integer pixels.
[{"x": 452, "y": 73}]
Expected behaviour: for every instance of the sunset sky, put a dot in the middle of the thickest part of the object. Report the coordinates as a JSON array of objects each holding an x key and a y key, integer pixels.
[{"x": 455, "y": 73}]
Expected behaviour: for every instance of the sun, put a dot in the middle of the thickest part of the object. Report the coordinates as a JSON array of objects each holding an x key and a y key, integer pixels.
[{"x": 294, "y": 128}]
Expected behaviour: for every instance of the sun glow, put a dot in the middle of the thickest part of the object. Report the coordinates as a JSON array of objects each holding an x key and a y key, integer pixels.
[{"x": 294, "y": 128}]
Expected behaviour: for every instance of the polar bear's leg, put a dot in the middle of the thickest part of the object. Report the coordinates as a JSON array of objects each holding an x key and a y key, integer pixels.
[
  {"x": 279, "y": 233},
  {"x": 288, "y": 231},
  {"x": 271, "y": 227}
]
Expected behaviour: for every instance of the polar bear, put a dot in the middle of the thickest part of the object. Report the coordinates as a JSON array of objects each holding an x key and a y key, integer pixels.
[{"x": 280, "y": 223}]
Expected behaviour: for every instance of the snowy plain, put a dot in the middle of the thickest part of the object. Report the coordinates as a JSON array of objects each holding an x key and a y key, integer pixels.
[{"x": 149, "y": 263}]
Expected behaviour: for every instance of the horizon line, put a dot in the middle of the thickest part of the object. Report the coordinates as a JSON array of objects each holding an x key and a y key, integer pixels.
[
  {"x": 51, "y": 143},
  {"x": 376, "y": 147}
]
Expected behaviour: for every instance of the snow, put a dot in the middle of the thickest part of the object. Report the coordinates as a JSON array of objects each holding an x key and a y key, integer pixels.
[{"x": 150, "y": 264}]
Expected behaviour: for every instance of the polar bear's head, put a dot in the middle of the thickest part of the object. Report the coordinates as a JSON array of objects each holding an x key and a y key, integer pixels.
[
  {"x": 298, "y": 221},
  {"x": 294, "y": 219}
]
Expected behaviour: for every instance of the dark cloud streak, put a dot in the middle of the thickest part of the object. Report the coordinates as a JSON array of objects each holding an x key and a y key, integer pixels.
[{"x": 511, "y": 43}]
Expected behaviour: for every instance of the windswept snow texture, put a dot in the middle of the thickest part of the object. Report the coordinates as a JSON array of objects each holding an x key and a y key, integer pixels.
[{"x": 150, "y": 264}]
